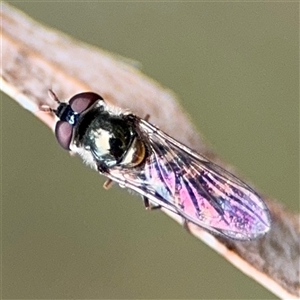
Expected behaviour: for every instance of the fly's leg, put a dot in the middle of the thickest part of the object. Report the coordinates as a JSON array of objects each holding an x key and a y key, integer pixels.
[
  {"x": 108, "y": 184},
  {"x": 147, "y": 117},
  {"x": 148, "y": 206},
  {"x": 185, "y": 225}
]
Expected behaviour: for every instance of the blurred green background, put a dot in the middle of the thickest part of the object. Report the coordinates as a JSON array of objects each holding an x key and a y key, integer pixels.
[{"x": 235, "y": 68}]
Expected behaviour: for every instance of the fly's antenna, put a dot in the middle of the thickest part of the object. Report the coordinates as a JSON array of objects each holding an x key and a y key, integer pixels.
[
  {"x": 53, "y": 96},
  {"x": 46, "y": 108}
]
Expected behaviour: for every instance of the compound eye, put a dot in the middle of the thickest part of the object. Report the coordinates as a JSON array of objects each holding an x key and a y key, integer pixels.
[
  {"x": 81, "y": 102},
  {"x": 64, "y": 133}
]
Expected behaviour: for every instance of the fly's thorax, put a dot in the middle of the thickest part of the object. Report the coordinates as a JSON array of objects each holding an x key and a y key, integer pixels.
[{"x": 110, "y": 139}]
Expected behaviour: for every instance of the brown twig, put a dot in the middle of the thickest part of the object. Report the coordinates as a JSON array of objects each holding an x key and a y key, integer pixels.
[{"x": 35, "y": 58}]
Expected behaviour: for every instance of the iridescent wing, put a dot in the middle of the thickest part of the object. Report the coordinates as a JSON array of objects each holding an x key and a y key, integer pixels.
[{"x": 188, "y": 184}]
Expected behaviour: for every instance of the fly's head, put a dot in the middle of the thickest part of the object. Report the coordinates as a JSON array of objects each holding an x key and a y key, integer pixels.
[{"x": 103, "y": 138}]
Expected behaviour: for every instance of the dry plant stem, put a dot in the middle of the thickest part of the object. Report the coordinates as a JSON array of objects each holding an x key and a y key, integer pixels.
[{"x": 36, "y": 58}]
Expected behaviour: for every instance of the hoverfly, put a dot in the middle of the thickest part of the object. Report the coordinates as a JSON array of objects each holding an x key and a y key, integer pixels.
[{"x": 135, "y": 154}]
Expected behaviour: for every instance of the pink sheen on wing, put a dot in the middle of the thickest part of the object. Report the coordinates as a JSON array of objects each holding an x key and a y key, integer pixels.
[{"x": 175, "y": 177}]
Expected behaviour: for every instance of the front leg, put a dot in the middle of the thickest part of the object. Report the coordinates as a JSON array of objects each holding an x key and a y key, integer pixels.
[
  {"x": 108, "y": 184},
  {"x": 104, "y": 170}
]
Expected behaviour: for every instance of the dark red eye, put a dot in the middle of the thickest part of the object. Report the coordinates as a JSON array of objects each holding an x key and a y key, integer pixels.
[
  {"x": 69, "y": 114},
  {"x": 81, "y": 102},
  {"x": 63, "y": 133}
]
